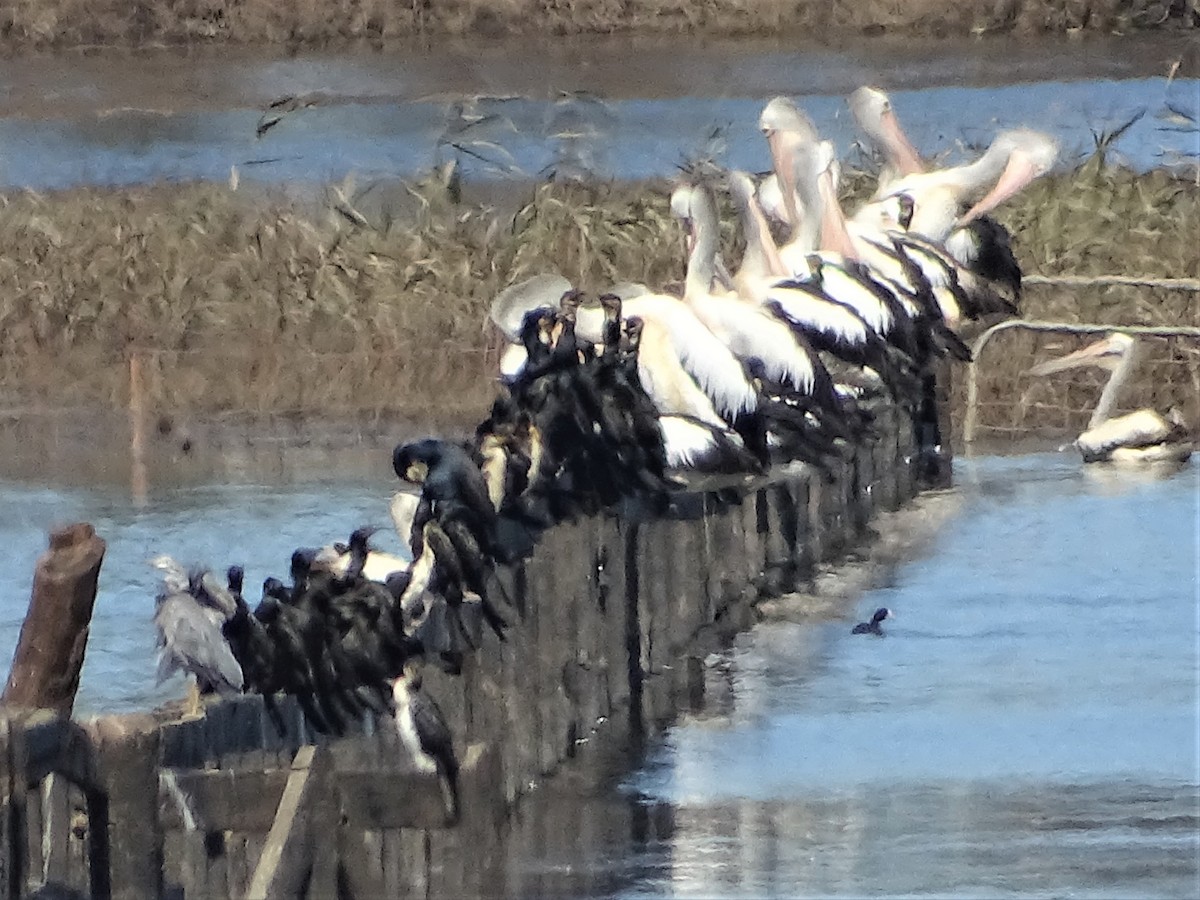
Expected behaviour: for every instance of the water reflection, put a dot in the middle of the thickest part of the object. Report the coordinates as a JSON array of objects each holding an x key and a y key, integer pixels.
[{"x": 1028, "y": 726}]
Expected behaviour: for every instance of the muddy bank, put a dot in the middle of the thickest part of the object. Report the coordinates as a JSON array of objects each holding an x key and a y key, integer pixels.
[
  {"x": 83, "y": 23},
  {"x": 249, "y": 302}
]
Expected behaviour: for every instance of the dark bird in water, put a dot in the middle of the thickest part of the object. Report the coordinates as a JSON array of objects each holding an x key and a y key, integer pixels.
[
  {"x": 425, "y": 735},
  {"x": 872, "y": 627}
]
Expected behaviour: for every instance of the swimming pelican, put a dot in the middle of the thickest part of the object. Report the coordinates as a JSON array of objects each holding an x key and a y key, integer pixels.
[{"x": 1143, "y": 436}]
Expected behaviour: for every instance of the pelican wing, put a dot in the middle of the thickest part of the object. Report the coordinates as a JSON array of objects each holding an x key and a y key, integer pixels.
[
  {"x": 715, "y": 369},
  {"x": 1144, "y": 428},
  {"x": 511, "y": 304}
]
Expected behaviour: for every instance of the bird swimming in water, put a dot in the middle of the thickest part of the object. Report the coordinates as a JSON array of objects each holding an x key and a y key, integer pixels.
[{"x": 872, "y": 627}]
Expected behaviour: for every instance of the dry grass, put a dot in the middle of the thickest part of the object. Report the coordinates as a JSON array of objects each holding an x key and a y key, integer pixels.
[
  {"x": 250, "y": 303},
  {"x": 64, "y": 23}
]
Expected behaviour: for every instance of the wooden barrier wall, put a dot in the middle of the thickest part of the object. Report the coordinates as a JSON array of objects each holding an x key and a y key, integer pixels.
[{"x": 226, "y": 806}]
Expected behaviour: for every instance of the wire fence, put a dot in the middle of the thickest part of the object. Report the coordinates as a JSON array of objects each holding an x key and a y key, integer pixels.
[
  {"x": 438, "y": 379},
  {"x": 1004, "y": 401},
  {"x": 454, "y": 379}
]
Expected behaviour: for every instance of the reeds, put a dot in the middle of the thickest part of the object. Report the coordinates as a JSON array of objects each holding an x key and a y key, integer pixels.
[
  {"x": 65, "y": 23},
  {"x": 251, "y": 302}
]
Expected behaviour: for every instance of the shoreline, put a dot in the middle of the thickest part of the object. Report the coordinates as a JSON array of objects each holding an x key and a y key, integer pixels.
[{"x": 64, "y": 24}]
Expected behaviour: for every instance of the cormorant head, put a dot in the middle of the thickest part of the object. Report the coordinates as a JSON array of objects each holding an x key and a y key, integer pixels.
[
  {"x": 411, "y": 461},
  {"x": 360, "y": 540},
  {"x": 570, "y": 301},
  {"x": 633, "y": 333},
  {"x": 880, "y": 614},
  {"x": 611, "y": 304},
  {"x": 275, "y": 589},
  {"x": 235, "y": 576},
  {"x": 302, "y": 563}
]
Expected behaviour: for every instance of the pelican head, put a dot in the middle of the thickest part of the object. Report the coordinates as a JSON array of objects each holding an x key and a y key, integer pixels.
[
  {"x": 741, "y": 188},
  {"x": 1106, "y": 353},
  {"x": 785, "y": 127},
  {"x": 781, "y": 114},
  {"x": 1028, "y": 155},
  {"x": 681, "y": 203},
  {"x": 872, "y": 111}
]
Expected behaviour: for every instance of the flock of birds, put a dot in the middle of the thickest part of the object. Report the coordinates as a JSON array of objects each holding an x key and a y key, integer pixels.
[
  {"x": 630, "y": 396},
  {"x": 780, "y": 357}
]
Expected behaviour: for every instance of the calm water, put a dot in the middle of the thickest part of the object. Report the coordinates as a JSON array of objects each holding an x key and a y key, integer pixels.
[
  {"x": 253, "y": 523},
  {"x": 1027, "y": 727},
  {"x": 512, "y": 112}
]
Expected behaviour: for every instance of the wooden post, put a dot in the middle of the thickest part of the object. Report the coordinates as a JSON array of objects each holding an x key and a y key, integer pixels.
[
  {"x": 49, "y": 654},
  {"x": 127, "y": 757},
  {"x": 138, "y": 481}
]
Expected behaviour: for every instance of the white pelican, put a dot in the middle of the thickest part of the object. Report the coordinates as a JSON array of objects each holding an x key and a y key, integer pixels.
[
  {"x": 745, "y": 328},
  {"x": 826, "y": 323},
  {"x": 873, "y": 113},
  {"x": 785, "y": 127},
  {"x": 981, "y": 244},
  {"x": 939, "y": 198},
  {"x": 1143, "y": 436}
]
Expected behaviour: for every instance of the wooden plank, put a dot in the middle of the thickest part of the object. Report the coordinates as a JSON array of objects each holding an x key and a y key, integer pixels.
[
  {"x": 286, "y": 860},
  {"x": 401, "y": 797},
  {"x": 9, "y": 888},
  {"x": 360, "y": 871},
  {"x": 33, "y": 838},
  {"x": 56, "y": 830},
  {"x": 220, "y": 799}
]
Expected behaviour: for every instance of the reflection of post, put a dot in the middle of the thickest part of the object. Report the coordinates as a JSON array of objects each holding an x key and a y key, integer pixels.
[{"x": 137, "y": 430}]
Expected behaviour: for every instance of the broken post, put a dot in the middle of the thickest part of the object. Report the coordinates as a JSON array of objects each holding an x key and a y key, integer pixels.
[{"x": 49, "y": 654}]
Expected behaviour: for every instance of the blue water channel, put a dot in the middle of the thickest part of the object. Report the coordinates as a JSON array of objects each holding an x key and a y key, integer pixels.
[
  {"x": 1026, "y": 728},
  {"x": 611, "y": 110}
]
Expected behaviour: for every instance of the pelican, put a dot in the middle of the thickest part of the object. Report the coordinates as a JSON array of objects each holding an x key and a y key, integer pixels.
[
  {"x": 746, "y": 329},
  {"x": 1143, "y": 436},
  {"x": 978, "y": 242},
  {"x": 873, "y": 113},
  {"x": 938, "y": 198},
  {"x": 826, "y": 323},
  {"x": 785, "y": 127}
]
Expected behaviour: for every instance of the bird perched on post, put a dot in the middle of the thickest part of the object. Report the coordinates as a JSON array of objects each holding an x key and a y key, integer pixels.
[
  {"x": 452, "y": 488},
  {"x": 189, "y": 612},
  {"x": 424, "y": 733}
]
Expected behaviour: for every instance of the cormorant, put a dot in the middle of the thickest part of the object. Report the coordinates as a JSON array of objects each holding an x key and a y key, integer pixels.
[{"x": 872, "y": 627}]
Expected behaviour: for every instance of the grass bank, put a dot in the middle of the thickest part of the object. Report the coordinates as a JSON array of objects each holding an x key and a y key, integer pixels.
[
  {"x": 240, "y": 302},
  {"x": 33, "y": 24}
]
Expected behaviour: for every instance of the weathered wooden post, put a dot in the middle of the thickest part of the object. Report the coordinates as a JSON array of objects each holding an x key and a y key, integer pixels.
[
  {"x": 49, "y": 654},
  {"x": 138, "y": 480}
]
